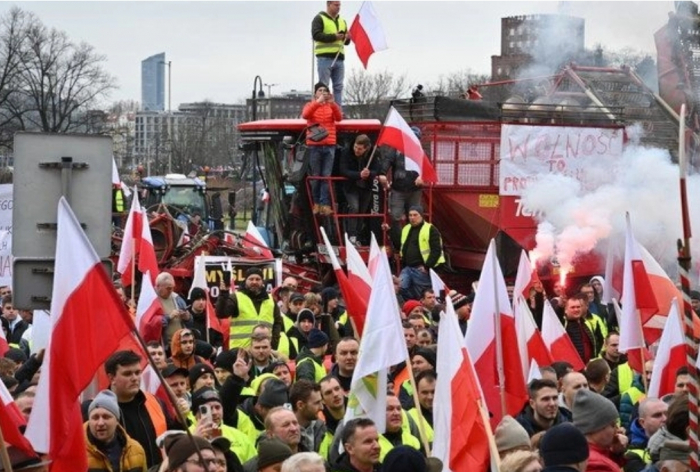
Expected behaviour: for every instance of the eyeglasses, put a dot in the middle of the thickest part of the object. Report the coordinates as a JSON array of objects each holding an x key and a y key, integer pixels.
[{"x": 207, "y": 462}]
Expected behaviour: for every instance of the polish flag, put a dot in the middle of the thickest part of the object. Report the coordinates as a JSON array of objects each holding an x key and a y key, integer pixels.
[
  {"x": 665, "y": 292},
  {"x": 375, "y": 253},
  {"x": 534, "y": 373},
  {"x": 200, "y": 280},
  {"x": 358, "y": 273},
  {"x": 637, "y": 302},
  {"x": 530, "y": 343},
  {"x": 11, "y": 420},
  {"x": 670, "y": 356},
  {"x": 462, "y": 429},
  {"x": 148, "y": 263},
  {"x": 85, "y": 307},
  {"x": 367, "y": 33},
  {"x": 557, "y": 341},
  {"x": 253, "y": 239},
  {"x": 525, "y": 277},
  {"x": 492, "y": 301},
  {"x": 4, "y": 346},
  {"x": 117, "y": 181},
  {"x": 149, "y": 312},
  {"x": 397, "y": 134},
  {"x": 355, "y": 304},
  {"x": 131, "y": 241},
  {"x": 609, "y": 290}
]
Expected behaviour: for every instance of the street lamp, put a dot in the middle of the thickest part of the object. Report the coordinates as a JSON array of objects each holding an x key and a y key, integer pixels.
[{"x": 257, "y": 93}]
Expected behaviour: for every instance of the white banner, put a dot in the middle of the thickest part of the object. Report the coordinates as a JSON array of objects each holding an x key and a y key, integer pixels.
[
  {"x": 530, "y": 152},
  {"x": 6, "y": 234}
]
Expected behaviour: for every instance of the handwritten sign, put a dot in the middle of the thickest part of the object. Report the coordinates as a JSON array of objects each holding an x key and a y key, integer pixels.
[{"x": 530, "y": 152}]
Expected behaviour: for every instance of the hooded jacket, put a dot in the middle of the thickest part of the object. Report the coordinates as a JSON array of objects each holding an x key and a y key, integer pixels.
[{"x": 180, "y": 359}]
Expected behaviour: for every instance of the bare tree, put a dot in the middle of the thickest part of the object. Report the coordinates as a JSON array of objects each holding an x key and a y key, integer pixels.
[
  {"x": 47, "y": 82},
  {"x": 455, "y": 84},
  {"x": 367, "y": 95}
]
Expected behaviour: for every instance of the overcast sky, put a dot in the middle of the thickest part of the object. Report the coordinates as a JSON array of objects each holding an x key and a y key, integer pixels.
[{"x": 217, "y": 48}]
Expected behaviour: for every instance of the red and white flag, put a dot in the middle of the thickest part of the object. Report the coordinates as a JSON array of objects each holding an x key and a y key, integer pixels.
[
  {"x": 670, "y": 356},
  {"x": 85, "y": 307},
  {"x": 665, "y": 291},
  {"x": 461, "y": 424},
  {"x": 354, "y": 303},
  {"x": 147, "y": 252},
  {"x": 358, "y": 273},
  {"x": 117, "y": 181},
  {"x": 637, "y": 302},
  {"x": 200, "y": 281},
  {"x": 149, "y": 312},
  {"x": 11, "y": 420},
  {"x": 492, "y": 301},
  {"x": 367, "y": 33},
  {"x": 131, "y": 241},
  {"x": 4, "y": 345},
  {"x": 253, "y": 239},
  {"x": 397, "y": 134},
  {"x": 375, "y": 252},
  {"x": 525, "y": 278},
  {"x": 557, "y": 341},
  {"x": 532, "y": 346}
]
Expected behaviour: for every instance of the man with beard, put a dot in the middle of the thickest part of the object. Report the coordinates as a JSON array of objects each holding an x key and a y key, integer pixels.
[
  {"x": 247, "y": 307},
  {"x": 346, "y": 353},
  {"x": 425, "y": 386},
  {"x": 333, "y": 410},
  {"x": 305, "y": 397},
  {"x": 542, "y": 411}
]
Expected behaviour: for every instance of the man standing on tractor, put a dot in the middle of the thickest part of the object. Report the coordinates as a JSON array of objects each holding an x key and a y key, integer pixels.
[{"x": 330, "y": 34}]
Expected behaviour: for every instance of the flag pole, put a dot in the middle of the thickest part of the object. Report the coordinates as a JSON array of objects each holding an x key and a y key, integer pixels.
[
  {"x": 684, "y": 264},
  {"x": 168, "y": 391},
  {"x": 4, "y": 455},
  {"x": 499, "y": 339},
  {"x": 421, "y": 420}
]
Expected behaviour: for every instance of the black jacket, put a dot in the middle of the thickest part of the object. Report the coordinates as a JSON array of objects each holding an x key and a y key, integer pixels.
[{"x": 526, "y": 418}]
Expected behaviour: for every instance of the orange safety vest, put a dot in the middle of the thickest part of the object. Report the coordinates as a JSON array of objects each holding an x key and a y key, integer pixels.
[{"x": 155, "y": 411}]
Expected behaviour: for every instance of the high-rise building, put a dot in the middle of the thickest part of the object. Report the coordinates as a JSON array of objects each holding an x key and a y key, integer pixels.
[{"x": 153, "y": 83}]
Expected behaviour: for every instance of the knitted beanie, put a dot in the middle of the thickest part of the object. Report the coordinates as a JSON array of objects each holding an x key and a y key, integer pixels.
[
  {"x": 510, "y": 435},
  {"x": 180, "y": 447},
  {"x": 317, "y": 338},
  {"x": 563, "y": 444},
  {"x": 272, "y": 451},
  {"x": 108, "y": 400},
  {"x": 404, "y": 459},
  {"x": 593, "y": 412}
]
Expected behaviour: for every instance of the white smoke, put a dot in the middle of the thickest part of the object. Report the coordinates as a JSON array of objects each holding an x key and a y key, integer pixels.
[{"x": 644, "y": 182}]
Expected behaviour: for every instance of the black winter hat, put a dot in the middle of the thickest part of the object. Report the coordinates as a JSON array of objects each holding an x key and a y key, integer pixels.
[
  {"x": 319, "y": 85},
  {"x": 198, "y": 370},
  {"x": 404, "y": 459},
  {"x": 203, "y": 396},
  {"x": 197, "y": 294},
  {"x": 427, "y": 354},
  {"x": 253, "y": 271},
  {"x": 563, "y": 444},
  {"x": 317, "y": 338},
  {"x": 172, "y": 369},
  {"x": 180, "y": 447},
  {"x": 306, "y": 314},
  {"x": 274, "y": 394},
  {"x": 226, "y": 359}
]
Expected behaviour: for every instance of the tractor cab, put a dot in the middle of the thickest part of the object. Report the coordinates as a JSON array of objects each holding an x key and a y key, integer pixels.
[
  {"x": 283, "y": 208},
  {"x": 184, "y": 197}
]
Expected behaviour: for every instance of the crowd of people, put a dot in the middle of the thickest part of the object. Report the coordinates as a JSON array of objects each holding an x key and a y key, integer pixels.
[{"x": 275, "y": 399}]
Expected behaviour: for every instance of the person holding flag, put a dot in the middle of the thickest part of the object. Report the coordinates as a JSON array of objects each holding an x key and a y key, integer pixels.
[
  {"x": 406, "y": 187},
  {"x": 330, "y": 34}
]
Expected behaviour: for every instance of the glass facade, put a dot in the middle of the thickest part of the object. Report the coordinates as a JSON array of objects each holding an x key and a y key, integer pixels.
[{"x": 153, "y": 83}]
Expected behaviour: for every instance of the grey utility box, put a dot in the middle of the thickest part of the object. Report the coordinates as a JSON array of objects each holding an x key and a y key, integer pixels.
[{"x": 46, "y": 167}]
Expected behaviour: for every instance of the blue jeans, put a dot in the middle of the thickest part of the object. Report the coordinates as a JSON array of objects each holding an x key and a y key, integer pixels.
[
  {"x": 413, "y": 282},
  {"x": 336, "y": 74},
  {"x": 321, "y": 164}
]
